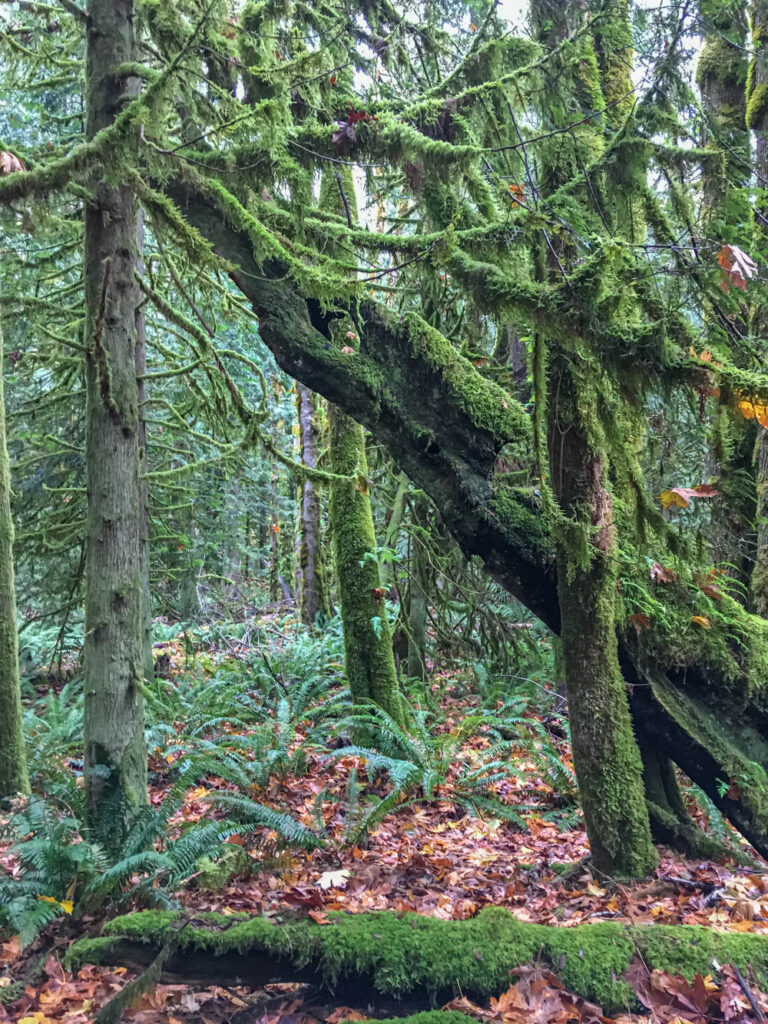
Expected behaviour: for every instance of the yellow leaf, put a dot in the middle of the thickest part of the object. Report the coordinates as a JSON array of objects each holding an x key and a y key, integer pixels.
[
  {"x": 701, "y": 620},
  {"x": 66, "y": 905},
  {"x": 672, "y": 497}
]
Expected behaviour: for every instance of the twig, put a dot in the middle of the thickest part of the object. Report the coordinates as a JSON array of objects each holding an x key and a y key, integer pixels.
[{"x": 746, "y": 990}]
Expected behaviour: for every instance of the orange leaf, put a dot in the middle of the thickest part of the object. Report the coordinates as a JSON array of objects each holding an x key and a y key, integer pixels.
[
  {"x": 701, "y": 620},
  {"x": 737, "y": 268}
]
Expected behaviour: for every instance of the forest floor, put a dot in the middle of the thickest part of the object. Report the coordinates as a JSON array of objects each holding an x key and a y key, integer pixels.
[{"x": 431, "y": 858}]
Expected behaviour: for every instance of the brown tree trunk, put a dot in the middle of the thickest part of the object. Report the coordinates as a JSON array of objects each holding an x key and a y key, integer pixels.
[{"x": 115, "y": 752}]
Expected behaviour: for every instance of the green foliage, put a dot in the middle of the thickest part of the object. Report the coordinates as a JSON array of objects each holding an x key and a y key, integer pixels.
[{"x": 422, "y": 761}]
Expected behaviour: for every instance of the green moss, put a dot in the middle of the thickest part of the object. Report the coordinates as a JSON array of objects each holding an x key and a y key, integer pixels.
[
  {"x": 408, "y": 952},
  {"x": 757, "y": 106},
  {"x": 369, "y": 660},
  {"x": 720, "y": 61},
  {"x": 489, "y": 405}
]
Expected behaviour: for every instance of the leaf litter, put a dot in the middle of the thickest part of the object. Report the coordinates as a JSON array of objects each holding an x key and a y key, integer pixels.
[{"x": 430, "y": 858}]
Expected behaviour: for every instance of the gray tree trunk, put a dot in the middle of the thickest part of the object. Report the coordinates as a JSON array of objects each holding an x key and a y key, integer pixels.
[{"x": 312, "y": 597}]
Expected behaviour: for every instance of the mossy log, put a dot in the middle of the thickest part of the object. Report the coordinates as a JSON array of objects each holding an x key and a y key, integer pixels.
[
  {"x": 383, "y": 957},
  {"x": 445, "y": 425}
]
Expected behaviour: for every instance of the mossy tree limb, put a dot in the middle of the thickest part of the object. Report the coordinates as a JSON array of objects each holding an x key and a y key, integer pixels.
[{"x": 370, "y": 957}]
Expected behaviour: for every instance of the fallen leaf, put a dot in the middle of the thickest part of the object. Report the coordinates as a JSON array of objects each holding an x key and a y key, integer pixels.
[{"x": 334, "y": 879}]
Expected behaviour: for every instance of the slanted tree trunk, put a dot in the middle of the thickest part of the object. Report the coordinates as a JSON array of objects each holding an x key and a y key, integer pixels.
[
  {"x": 313, "y": 601},
  {"x": 115, "y": 752},
  {"x": 370, "y": 663},
  {"x": 402, "y": 387},
  {"x": 13, "y": 765}
]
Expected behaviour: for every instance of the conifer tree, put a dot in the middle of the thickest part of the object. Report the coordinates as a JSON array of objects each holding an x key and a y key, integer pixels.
[
  {"x": 13, "y": 767},
  {"x": 115, "y": 751}
]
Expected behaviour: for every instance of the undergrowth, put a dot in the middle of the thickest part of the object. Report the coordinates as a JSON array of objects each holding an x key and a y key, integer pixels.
[{"x": 231, "y": 728}]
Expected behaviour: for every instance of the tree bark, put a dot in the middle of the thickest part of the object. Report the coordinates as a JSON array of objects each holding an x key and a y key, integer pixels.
[
  {"x": 370, "y": 663},
  {"x": 141, "y": 386},
  {"x": 757, "y": 121},
  {"x": 115, "y": 752},
  {"x": 13, "y": 764},
  {"x": 605, "y": 753},
  {"x": 417, "y": 598},
  {"x": 313, "y": 601}
]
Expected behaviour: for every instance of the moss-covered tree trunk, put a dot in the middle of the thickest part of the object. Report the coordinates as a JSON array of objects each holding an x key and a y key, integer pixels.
[
  {"x": 313, "y": 601},
  {"x": 13, "y": 765},
  {"x": 407, "y": 383},
  {"x": 115, "y": 752},
  {"x": 605, "y": 754},
  {"x": 370, "y": 663},
  {"x": 757, "y": 121}
]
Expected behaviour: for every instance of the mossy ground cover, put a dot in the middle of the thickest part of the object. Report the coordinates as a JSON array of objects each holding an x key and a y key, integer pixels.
[{"x": 406, "y": 953}]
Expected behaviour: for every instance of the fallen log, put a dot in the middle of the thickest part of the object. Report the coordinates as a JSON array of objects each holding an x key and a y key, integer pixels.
[{"x": 415, "y": 959}]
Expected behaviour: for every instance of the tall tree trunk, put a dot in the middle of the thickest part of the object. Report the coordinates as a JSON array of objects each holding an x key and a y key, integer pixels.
[
  {"x": 605, "y": 753},
  {"x": 757, "y": 121},
  {"x": 312, "y": 597},
  {"x": 394, "y": 526},
  {"x": 141, "y": 369},
  {"x": 115, "y": 751},
  {"x": 417, "y": 601},
  {"x": 13, "y": 765},
  {"x": 370, "y": 663}
]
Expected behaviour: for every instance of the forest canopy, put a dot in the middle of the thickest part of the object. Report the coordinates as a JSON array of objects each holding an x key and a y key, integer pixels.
[{"x": 383, "y": 440}]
